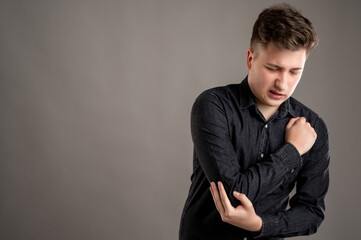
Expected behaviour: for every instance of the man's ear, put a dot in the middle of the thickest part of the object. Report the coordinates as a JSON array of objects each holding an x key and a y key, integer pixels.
[{"x": 250, "y": 57}]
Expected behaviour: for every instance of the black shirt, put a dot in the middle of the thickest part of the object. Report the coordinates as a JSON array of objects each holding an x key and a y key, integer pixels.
[{"x": 233, "y": 143}]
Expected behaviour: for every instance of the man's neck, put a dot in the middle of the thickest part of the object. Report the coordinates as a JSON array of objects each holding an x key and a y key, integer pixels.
[{"x": 266, "y": 111}]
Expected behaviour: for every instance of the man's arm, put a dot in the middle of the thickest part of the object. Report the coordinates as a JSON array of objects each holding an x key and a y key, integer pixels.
[
  {"x": 306, "y": 208},
  {"x": 217, "y": 157}
]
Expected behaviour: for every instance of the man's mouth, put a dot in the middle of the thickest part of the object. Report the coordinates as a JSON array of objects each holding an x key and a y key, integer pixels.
[{"x": 276, "y": 93}]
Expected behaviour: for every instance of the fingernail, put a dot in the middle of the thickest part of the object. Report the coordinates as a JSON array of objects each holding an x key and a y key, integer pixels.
[{"x": 236, "y": 193}]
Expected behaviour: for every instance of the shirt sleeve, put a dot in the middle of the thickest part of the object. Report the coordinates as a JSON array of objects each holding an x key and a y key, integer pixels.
[
  {"x": 307, "y": 206},
  {"x": 218, "y": 159}
]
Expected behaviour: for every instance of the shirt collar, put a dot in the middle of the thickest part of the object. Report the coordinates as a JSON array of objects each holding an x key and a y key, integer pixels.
[
  {"x": 286, "y": 108},
  {"x": 246, "y": 100},
  {"x": 245, "y": 97}
]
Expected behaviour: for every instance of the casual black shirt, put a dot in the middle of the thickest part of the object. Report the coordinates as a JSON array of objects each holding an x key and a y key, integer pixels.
[{"x": 233, "y": 143}]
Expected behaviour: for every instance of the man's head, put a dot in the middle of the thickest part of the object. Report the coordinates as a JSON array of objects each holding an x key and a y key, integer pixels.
[
  {"x": 281, "y": 41},
  {"x": 285, "y": 27}
]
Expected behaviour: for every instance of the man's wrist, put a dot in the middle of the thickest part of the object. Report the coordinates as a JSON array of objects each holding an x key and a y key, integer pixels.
[{"x": 257, "y": 226}]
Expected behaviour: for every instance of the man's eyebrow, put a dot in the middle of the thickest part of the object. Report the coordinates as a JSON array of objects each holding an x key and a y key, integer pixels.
[{"x": 279, "y": 67}]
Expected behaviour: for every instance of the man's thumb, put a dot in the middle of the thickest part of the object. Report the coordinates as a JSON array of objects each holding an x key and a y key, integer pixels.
[{"x": 244, "y": 199}]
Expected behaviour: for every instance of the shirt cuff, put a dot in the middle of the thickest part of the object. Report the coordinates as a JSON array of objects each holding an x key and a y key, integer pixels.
[
  {"x": 290, "y": 156},
  {"x": 269, "y": 226}
]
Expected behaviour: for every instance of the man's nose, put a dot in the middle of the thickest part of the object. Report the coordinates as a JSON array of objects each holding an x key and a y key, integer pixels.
[{"x": 281, "y": 81}]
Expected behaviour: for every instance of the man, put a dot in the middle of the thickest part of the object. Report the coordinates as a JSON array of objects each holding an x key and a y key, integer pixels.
[{"x": 256, "y": 143}]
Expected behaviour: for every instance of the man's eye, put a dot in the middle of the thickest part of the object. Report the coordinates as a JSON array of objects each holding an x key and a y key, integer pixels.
[
  {"x": 294, "y": 73},
  {"x": 272, "y": 69}
]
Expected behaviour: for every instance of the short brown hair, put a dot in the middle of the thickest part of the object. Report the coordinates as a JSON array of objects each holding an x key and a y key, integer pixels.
[{"x": 285, "y": 27}]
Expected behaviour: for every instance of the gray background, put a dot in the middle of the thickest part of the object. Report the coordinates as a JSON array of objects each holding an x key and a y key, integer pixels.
[{"x": 95, "y": 100}]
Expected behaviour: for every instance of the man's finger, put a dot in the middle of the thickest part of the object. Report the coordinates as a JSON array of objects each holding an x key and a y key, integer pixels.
[
  {"x": 302, "y": 119},
  {"x": 216, "y": 198},
  {"x": 224, "y": 197},
  {"x": 244, "y": 199},
  {"x": 292, "y": 122}
]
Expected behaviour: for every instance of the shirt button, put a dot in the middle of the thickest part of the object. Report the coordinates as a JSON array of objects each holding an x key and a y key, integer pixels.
[
  {"x": 266, "y": 126},
  {"x": 292, "y": 170},
  {"x": 262, "y": 155}
]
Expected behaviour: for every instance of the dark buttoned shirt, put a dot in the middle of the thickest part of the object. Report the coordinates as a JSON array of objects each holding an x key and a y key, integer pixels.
[{"x": 233, "y": 143}]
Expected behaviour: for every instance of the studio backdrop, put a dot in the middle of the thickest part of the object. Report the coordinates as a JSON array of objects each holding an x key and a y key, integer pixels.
[{"x": 95, "y": 101}]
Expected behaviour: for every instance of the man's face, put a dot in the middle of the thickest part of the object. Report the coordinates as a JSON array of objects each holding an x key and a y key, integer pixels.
[{"x": 274, "y": 74}]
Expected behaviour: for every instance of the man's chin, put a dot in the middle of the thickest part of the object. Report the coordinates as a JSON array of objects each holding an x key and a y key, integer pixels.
[{"x": 275, "y": 103}]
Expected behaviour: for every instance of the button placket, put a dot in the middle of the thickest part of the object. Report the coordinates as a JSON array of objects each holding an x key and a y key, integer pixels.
[{"x": 263, "y": 141}]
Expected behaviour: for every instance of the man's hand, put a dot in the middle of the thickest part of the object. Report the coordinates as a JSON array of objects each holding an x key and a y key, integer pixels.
[
  {"x": 243, "y": 216},
  {"x": 300, "y": 134}
]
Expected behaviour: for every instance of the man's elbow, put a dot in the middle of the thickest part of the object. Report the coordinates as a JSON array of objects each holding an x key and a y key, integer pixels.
[{"x": 315, "y": 223}]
